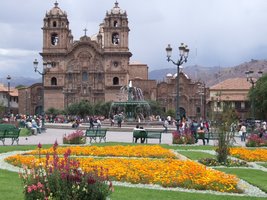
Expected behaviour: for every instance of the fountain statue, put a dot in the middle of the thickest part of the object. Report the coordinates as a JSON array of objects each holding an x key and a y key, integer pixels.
[{"x": 131, "y": 105}]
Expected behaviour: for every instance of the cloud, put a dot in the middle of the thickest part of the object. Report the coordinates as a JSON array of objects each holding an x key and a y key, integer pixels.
[
  {"x": 221, "y": 32},
  {"x": 16, "y": 52}
]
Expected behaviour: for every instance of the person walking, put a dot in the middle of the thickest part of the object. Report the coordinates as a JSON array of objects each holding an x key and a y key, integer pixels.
[
  {"x": 243, "y": 129},
  {"x": 201, "y": 133},
  {"x": 194, "y": 127},
  {"x": 91, "y": 120}
]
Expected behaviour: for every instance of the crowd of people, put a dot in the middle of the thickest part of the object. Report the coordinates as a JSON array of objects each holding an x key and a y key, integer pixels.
[
  {"x": 241, "y": 128},
  {"x": 201, "y": 127}
]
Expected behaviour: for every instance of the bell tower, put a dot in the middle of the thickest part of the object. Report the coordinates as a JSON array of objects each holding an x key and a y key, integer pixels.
[
  {"x": 115, "y": 33},
  {"x": 116, "y": 30},
  {"x": 57, "y": 36}
]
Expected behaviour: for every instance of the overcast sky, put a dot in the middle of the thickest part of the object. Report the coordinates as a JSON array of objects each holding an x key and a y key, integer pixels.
[{"x": 218, "y": 32}]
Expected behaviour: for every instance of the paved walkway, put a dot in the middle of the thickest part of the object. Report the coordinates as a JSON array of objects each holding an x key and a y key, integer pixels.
[{"x": 52, "y": 134}]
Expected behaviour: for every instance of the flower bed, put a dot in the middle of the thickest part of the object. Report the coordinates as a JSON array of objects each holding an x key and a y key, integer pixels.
[
  {"x": 254, "y": 140},
  {"x": 166, "y": 172},
  {"x": 249, "y": 154},
  {"x": 154, "y": 151},
  {"x": 76, "y": 137},
  {"x": 183, "y": 138}
]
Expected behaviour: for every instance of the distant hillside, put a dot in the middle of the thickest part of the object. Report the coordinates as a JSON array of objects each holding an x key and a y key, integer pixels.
[
  {"x": 213, "y": 75},
  {"x": 210, "y": 75},
  {"x": 15, "y": 81}
]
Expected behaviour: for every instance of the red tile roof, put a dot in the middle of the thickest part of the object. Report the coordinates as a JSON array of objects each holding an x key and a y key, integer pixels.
[
  {"x": 13, "y": 91},
  {"x": 232, "y": 84}
]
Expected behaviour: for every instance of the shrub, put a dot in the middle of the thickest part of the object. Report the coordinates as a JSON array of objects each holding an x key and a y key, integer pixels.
[
  {"x": 183, "y": 138},
  {"x": 76, "y": 137},
  {"x": 64, "y": 179}
]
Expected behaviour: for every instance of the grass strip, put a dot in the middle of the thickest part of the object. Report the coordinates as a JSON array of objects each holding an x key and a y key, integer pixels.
[
  {"x": 252, "y": 176},
  {"x": 11, "y": 186},
  {"x": 127, "y": 193},
  {"x": 188, "y": 147},
  {"x": 7, "y": 148},
  {"x": 193, "y": 155}
]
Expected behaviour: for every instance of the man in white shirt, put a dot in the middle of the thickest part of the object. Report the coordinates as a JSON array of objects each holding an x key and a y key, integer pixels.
[{"x": 243, "y": 129}]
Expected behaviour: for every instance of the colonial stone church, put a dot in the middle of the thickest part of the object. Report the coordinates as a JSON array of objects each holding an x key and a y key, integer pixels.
[
  {"x": 91, "y": 68},
  {"x": 95, "y": 69}
]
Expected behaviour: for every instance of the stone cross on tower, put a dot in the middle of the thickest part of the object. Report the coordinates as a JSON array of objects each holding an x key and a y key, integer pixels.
[{"x": 85, "y": 30}]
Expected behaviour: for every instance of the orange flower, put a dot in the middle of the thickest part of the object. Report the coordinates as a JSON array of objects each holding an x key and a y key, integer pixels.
[
  {"x": 168, "y": 172},
  {"x": 249, "y": 154}
]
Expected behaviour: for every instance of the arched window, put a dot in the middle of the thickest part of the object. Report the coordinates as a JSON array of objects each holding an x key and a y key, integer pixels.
[
  {"x": 53, "y": 81},
  {"x": 115, "y": 24},
  {"x": 198, "y": 110},
  {"x": 69, "y": 75},
  {"x": 115, "y": 38},
  {"x": 54, "y": 24},
  {"x": 115, "y": 81},
  {"x": 84, "y": 90},
  {"x": 54, "y": 39},
  {"x": 84, "y": 76},
  {"x": 99, "y": 76}
]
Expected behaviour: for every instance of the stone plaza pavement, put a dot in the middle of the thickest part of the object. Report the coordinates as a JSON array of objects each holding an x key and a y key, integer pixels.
[{"x": 124, "y": 135}]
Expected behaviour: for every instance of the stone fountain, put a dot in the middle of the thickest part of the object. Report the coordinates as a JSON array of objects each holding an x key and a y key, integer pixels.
[{"x": 131, "y": 105}]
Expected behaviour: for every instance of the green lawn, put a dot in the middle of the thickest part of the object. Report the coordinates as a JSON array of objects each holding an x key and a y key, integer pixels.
[
  {"x": 254, "y": 177},
  {"x": 188, "y": 147},
  {"x": 125, "y": 193},
  {"x": 11, "y": 186},
  {"x": 7, "y": 148},
  {"x": 193, "y": 155}
]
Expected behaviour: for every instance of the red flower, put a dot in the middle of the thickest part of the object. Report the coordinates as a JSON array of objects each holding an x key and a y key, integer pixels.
[{"x": 39, "y": 145}]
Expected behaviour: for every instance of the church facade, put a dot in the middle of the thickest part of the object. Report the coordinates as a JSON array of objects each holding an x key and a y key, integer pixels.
[
  {"x": 91, "y": 68},
  {"x": 95, "y": 69}
]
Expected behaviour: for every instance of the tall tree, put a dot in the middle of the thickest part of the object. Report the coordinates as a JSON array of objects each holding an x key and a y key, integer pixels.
[{"x": 258, "y": 94}]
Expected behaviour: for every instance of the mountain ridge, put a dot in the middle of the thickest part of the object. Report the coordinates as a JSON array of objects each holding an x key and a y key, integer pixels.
[
  {"x": 213, "y": 75},
  {"x": 209, "y": 75}
]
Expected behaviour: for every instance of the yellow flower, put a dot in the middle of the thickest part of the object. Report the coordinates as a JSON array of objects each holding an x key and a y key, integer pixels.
[{"x": 150, "y": 165}]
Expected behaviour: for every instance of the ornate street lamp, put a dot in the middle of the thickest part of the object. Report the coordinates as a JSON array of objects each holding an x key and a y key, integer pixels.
[
  {"x": 202, "y": 93},
  {"x": 8, "y": 99},
  {"x": 253, "y": 81},
  {"x": 46, "y": 67},
  {"x": 183, "y": 53}
]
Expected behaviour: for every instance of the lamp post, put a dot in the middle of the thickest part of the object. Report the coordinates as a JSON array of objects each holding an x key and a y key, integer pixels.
[
  {"x": 8, "y": 99},
  {"x": 183, "y": 53},
  {"x": 46, "y": 66},
  {"x": 253, "y": 82},
  {"x": 202, "y": 93}
]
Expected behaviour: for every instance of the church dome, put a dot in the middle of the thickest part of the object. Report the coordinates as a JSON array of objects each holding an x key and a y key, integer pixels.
[
  {"x": 116, "y": 9},
  {"x": 56, "y": 10},
  {"x": 169, "y": 75}
]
